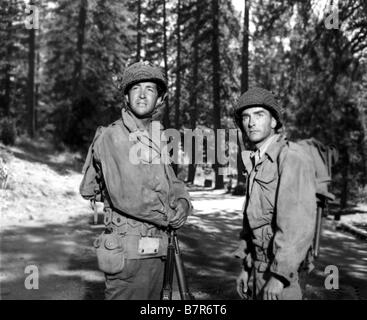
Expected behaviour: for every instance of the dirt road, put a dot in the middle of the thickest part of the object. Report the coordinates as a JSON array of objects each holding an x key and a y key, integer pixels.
[
  {"x": 45, "y": 224},
  {"x": 67, "y": 267}
]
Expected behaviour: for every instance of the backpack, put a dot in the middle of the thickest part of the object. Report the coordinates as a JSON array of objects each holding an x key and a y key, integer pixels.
[{"x": 323, "y": 158}]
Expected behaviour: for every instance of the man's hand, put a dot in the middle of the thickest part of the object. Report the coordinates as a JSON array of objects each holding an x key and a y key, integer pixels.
[
  {"x": 273, "y": 289},
  {"x": 242, "y": 284},
  {"x": 182, "y": 211}
]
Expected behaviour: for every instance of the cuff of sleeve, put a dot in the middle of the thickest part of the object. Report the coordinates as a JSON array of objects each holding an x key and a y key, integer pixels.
[
  {"x": 189, "y": 203},
  {"x": 240, "y": 252},
  {"x": 286, "y": 275}
]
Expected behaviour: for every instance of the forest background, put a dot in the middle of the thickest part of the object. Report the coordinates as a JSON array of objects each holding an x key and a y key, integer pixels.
[{"x": 60, "y": 66}]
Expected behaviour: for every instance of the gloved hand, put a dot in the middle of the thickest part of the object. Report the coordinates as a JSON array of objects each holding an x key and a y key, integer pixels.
[{"x": 182, "y": 212}]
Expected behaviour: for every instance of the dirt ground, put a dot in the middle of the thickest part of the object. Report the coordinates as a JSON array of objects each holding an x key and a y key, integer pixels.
[{"x": 45, "y": 223}]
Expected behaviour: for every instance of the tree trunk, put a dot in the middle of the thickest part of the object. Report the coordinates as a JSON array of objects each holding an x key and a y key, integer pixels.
[
  {"x": 138, "y": 40},
  {"x": 363, "y": 141},
  {"x": 178, "y": 66},
  {"x": 37, "y": 84},
  {"x": 345, "y": 183},
  {"x": 30, "y": 83},
  {"x": 166, "y": 121},
  {"x": 194, "y": 91},
  {"x": 245, "y": 43},
  {"x": 216, "y": 87},
  {"x": 7, "y": 82},
  {"x": 78, "y": 67},
  {"x": 244, "y": 80}
]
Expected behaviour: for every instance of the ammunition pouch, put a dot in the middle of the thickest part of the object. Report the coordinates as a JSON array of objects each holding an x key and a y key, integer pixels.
[
  {"x": 110, "y": 252},
  {"x": 122, "y": 240},
  {"x": 123, "y": 225}
]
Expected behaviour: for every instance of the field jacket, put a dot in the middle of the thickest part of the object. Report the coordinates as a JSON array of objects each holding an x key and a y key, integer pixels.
[
  {"x": 280, "y": 209},
  {"x": 144, "y": 195}
]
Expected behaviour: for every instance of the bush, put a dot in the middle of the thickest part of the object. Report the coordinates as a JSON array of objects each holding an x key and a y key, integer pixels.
[{"x": 8, "y": 131}]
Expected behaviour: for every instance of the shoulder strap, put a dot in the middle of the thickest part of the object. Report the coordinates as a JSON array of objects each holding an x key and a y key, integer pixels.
[
  {"x": 89, "y": 157},
  {"x": 282, "y": 156}
]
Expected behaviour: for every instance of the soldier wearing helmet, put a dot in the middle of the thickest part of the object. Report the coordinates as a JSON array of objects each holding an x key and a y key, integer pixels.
[
  {"x": 140, "y": 200},
  {"x": 280, "y": 205}
]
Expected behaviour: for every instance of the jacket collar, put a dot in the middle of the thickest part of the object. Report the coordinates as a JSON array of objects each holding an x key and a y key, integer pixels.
[
  {"x": 275, "y": 147},
  {"x": 150, "y": 137},
  {"x": 129, "y": 121},
  {"x": 272, "y": 152}
]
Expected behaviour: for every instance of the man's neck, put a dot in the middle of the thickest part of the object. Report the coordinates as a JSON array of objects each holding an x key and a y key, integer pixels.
[
  {"x": 262, "y": 143},
  {"x": 142, "y": 123}
]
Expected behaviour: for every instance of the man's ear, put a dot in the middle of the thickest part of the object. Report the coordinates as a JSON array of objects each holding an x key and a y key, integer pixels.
[
  {"x": 161, "y": 99},
  {"x": 273, "y": 123},
  {"x": 126, "y": 99}
]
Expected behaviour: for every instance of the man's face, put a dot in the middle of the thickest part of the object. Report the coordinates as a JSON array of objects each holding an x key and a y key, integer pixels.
[
  {"x": 258, "y": 124},
  {"x": 143, "y": 98}
]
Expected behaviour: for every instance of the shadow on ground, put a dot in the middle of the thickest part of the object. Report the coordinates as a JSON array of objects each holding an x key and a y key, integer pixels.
[
  {"x": 63, "y": 255},
  {"x": 208, "y": 242},
  {"x": 348, "y": 256},
  {"x": 68, "y": 269}
]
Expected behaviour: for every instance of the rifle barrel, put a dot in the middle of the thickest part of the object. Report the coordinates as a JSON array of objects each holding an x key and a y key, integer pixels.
[
  {"x": 180, "y": 272},
  {"x": 318, "y": 231},
  {"x": 168, "y": 270}
]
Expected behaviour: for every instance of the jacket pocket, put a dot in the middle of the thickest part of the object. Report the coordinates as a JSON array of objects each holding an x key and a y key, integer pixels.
[
  {"x": 110, "y": 253},
  {"x": 267, "y": 173}
]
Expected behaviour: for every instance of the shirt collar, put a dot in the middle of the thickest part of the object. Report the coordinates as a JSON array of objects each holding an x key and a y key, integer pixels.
[
  {"x": 275, "y": 144},
  {"x": 263, "y": 148}
]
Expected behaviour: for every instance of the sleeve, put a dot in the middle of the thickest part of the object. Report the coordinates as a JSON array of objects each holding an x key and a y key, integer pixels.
[
  {"x": 179, "y": 188},
  {"x": 90, "y": 184},
  {"x": 295, "y": 215},
  {"x": 243, "y": 249},
  {"x": 244, "y": 237}
]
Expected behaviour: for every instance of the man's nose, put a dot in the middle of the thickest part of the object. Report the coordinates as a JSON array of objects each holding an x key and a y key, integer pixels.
[
  {"x": 142, "y": 93},
  {"x": 251, "y": 122}
]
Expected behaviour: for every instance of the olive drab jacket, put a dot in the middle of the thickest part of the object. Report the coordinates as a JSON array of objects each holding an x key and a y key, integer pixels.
[
  {"x": 143, "y": 195},
  {"x": 280, "y": 209}
]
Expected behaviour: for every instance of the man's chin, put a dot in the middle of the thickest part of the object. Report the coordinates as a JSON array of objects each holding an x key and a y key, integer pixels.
[
  {"x": 142, "y": 114},
  {"x": 254, "y": 138}
]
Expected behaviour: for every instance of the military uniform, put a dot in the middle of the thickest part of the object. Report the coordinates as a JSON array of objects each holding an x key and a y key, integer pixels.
[
  {"x": 279, "y": 216},
  {"x": 139, "y": 201},
  {"x": 280, "y": 205}
]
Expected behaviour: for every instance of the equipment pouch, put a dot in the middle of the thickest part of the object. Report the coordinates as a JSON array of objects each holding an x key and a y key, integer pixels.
[{"x": 110, "y": 253}]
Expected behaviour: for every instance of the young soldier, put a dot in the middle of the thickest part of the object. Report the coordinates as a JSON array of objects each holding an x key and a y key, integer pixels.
[
  {"x": 280, "y": 205},
  {"x": 140, "y": 200}
]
